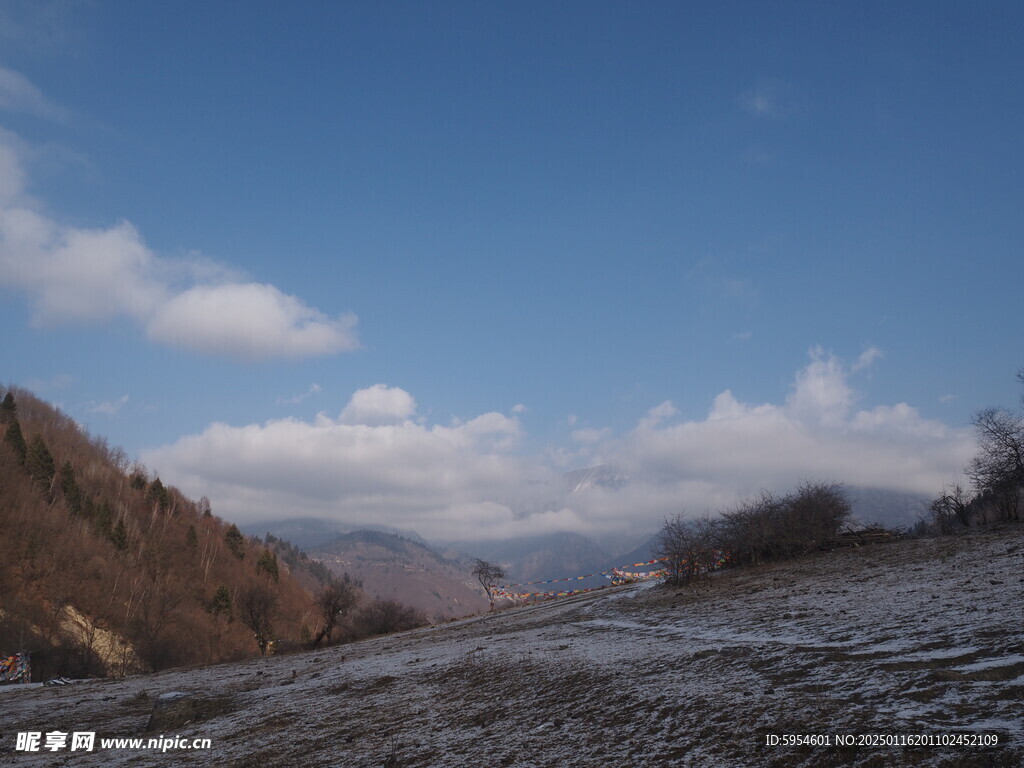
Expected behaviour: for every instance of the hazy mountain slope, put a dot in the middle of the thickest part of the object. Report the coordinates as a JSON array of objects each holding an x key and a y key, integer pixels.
[
  {"x": 893, "y": 509},
  {"x": 392, "y": 567},
  {"x": 552, "y": 556},
  {"x": 311, "y": 532}
]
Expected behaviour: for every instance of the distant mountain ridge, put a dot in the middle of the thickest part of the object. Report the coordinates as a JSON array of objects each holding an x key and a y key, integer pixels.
[
  {"x": 393, "y": 567},
  {"x": 310, "y": 532},
  {"x": 549, "y": 556}
]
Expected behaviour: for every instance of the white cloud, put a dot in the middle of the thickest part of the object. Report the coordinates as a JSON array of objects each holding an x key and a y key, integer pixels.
[
  {"x": 58, "y": 381},
  {"x": 379, "y": 405},
  {"x": 658, "y": 414},
  {"x": 816, "y": 433},
  {"x": 770, "y": 98},
  {"x": 867, "y": 357},
  {"x": 75, "y": 274},
  {"x": 17, "y": 94},
  {"x": 821, "y": 393},
  {"x": 109, "y": 407},
  {"x": 314, "y": 388},
  {"x": 376, "y": 463},
  {"x": 251, "y": 321},
  {"x": 371, "y": 466},
  {"x": 519, "y": 408},
  {"x": 12, "y": 172}
]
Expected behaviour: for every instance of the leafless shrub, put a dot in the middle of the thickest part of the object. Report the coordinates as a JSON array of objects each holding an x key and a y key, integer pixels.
[
  {"x": 769, "y": 527},
  {"x": 382, "y": 617},
  {"x": 687, "y": 546}
]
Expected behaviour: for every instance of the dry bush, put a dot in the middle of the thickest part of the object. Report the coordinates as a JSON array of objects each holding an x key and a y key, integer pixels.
[{"x": 767, "y": 528}]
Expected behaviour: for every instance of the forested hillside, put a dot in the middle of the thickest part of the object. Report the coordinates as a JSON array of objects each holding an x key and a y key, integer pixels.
[{"x": 106, "y": 571}]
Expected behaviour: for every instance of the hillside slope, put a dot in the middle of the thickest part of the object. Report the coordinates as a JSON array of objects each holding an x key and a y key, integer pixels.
[
  {"x": 917, "y": 637},
  {"x": 104, "y": 570},
  {"x": 391, "y": 567}
]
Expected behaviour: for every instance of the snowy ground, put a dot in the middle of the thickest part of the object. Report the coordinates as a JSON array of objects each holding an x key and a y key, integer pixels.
[{"x": 904, "y": 639}]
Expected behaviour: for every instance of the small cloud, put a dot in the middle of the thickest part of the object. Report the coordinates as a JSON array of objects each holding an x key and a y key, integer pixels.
[
  {"x": 867, "y": 357},
  {"x": 108, "y": 408},
  {"x": 519, "y": 408},
  {"x": 740, "y": 289},
  {"x": 658, "y": 414},
  {"x": 313, "y": 389},
  {"x": 947, "y": 399},
  {"x": 712, "y": 275},
  {"x": 379, "y": 405},
  {"x": 743, "y": 335},
  {"x": 60, "y": 381},
  {"x": 250, "y": 321},
  {"x": 571, "y": 419},
  {"x": 17, "y": 94},
  {"x": 770, "y": 98}
]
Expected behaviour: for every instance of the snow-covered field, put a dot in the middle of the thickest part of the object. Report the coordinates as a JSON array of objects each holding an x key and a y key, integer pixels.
[{"x": 921, "y": 638}]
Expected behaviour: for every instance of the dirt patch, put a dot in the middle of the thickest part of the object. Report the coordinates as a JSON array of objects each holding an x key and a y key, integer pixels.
[{"x": 174, "y": 711}]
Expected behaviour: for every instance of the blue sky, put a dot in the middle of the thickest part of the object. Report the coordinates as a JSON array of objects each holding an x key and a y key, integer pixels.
[{"x": 531, "y": 237}]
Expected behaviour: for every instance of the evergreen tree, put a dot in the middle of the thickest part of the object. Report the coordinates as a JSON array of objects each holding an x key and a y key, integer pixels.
[
  {"x": 72, "y": 493},
  {"x": 119, "y": 536},
  {"x": 39, "y": 463},
  {"x": 220, "y": 605},
  {"x": 16, "y": 440},
  {"x": 191, "y": 540},
  {"x": 8, "y": 410},
  {"x": 235, "y": 541},
  {"x": 158, "y": 494},
  {"x": 104, "y": 519},
  {"x": 268, "y": 564}
]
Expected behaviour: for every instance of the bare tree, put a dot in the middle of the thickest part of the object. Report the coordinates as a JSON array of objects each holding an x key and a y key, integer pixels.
[
  {"x": 488, "y": 574},
  {"x": 998, "y": 470},
  {"x": 687, "y": 546},
  {"x": 951, "y": 507},
  {"x": 334, "y": 602},
  {"x": 256, "y": 607}
]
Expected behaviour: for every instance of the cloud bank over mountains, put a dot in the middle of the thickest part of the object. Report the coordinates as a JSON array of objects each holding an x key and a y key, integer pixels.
[
  {"x": 378, "y": 463},
  {"x": 79, "y": 275}
]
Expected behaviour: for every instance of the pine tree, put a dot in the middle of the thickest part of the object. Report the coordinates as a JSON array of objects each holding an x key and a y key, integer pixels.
[
  {"x": 16, "y": 440},
  {"x": 268, "y": 564},
  {"x": 39, "y": 463},
  {"x": 235, "y": 541},
  {"x": 104, "y": 519},
  {"x": 158, "y": 494},
  {"x": 72, "y": 493},
  {"x": 119, "y": 536},
  {"x": 8, "y": 410},
  {"x": 191, "y": 540},
  {"x": 220, "y": 605}
]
